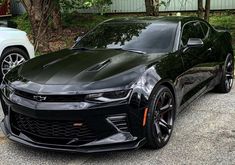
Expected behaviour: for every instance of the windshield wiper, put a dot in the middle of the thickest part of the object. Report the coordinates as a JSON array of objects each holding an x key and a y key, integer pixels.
[
  {"x": 81, "y": 48},
  {"x": 128, "y": 50},
  {"x": 135, "y": 51}
]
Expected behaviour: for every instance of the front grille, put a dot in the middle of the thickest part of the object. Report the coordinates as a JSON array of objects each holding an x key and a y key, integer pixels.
[
  {"x": 120, "y": 121},
  {"x": 51, "y": 98},
  {"x": 59, "y": 132}
]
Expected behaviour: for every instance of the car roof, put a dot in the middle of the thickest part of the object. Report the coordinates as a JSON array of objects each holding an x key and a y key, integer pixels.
[{"x": 151, "y": 19}]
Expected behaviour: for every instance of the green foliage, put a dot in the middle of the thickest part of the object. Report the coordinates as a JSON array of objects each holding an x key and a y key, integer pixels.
[
  {"x": 98, "y": 3},
  {"x": 101, "y": 5},
  {"x": 70, "y": 5},
  {"x": 225, "y": 22},
  {"x": 23, "y": 23},
  {"x": 83, "y": 21}
]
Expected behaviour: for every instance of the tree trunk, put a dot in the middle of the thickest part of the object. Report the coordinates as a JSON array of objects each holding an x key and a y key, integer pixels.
[
  {"x": 207, "y": 12},
  {"x": 39, "y": 12},
  {"x": 200, "y": 9},
  {"x": 56, "y": 17},
  {"x": 150, "y": 8},
  {"x": 157, "y": 7},
  {"x": 36, "y": 16}
]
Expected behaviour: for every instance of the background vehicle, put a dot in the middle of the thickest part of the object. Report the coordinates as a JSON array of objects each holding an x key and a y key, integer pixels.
[
  {"x": 15, "y": 47},
  {"x": 119, "y": 87}
]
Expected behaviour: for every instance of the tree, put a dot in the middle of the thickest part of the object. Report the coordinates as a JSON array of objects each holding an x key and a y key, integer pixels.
[
  {"x": 207, "y": 10},
  {"x": 56, "y": 17},
  {"x": 71, "y": 5},
  {"x": 204, "y": 13},
  {"x": 39, "y": 12},
  {"x": 100, "y": 5},
  {"x": 157, "y": 3},
  {"x": 150, "y": 8},
  {"x": 200, "y": 9}
]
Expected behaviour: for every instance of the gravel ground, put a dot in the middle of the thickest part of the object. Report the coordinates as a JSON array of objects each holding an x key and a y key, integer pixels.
[{"x": 204, "y": 134}]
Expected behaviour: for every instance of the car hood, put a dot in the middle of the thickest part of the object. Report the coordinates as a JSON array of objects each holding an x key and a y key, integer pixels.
[{"x": 72, "y": 70}]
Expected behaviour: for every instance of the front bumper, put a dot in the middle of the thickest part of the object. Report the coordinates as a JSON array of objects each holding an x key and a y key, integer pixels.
[
  {"x": 109, "y": 136},
  {"x": 82, "y": 149}
]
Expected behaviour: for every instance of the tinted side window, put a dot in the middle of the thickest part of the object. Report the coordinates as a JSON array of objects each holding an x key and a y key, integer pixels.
[
  {"x": 205, "y": 28},
  {"x": 192, "y": 30}
]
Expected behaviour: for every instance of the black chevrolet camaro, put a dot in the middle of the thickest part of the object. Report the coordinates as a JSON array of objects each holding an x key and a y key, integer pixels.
[{"x": 119, "y": 87}]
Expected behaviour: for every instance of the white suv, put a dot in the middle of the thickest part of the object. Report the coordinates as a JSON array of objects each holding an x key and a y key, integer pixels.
[{"x": 15, "y": 48}]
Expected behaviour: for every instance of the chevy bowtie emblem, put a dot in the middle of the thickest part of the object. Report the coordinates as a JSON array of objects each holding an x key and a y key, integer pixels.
[{"x": 40, "y": 98}]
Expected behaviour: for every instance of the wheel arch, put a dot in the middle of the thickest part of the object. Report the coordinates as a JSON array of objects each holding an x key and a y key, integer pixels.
[
  {"x": 17, "y": 46},
  {"x": 227, "y": 39},
  {"x": 151, "y": 80},
  {"x": 169, "y": 84}
]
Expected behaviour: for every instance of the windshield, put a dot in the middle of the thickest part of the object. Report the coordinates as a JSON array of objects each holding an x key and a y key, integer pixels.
[{"x": 144, "y": 37}]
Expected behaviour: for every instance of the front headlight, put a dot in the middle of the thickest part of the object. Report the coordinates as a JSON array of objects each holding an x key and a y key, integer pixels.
[{"x": 108, "y": 96}]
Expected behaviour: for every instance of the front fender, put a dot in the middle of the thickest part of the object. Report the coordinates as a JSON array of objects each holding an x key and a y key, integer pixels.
[
  {"x": 168, "y": 71},
  {"x": 24, "y": 42},
  {"x": 143, "y": 88}
]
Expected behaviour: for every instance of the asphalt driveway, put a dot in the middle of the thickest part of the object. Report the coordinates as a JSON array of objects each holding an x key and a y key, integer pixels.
[{"x": 204, "y": 134}]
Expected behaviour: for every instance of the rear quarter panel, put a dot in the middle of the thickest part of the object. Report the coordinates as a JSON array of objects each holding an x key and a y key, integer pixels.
[{"x": 223, "y": 44}]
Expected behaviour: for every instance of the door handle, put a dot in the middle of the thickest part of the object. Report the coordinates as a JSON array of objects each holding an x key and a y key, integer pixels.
[{"x": 209, "y": 50}]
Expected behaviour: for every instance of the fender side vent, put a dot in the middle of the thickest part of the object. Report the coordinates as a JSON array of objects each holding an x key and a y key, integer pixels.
[{"x": 120, "y": 122}]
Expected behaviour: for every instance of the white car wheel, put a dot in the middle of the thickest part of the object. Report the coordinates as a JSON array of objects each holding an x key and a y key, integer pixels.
[
  {"x": 11, "y": 61},
  {"x": 10, "y": 58}
]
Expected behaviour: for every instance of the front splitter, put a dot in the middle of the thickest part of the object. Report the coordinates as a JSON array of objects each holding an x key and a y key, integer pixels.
[{"x": 127, "y": 145}]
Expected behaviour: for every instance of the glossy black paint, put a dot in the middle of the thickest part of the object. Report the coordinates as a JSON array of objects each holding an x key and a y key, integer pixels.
[{"x": 188, "y": 72}]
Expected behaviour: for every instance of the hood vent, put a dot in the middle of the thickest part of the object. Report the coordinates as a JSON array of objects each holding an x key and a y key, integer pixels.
[
  {"x": 99, "y": 66},
  {"x": 55, "y": 61}
]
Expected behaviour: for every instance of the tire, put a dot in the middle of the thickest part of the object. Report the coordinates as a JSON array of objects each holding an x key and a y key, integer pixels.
[
  {"x": 160, "y": 118},
  {"x": 7, "y": 55},
  {"x": 226, "y": 83}
]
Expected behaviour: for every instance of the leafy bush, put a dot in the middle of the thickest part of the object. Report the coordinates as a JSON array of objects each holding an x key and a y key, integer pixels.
[
  {"x": 225, "y": 21},
  {"x": 23, "y": 23},
  {"x": 84, "y": 21},
  {"x": 69, "y": 6}
]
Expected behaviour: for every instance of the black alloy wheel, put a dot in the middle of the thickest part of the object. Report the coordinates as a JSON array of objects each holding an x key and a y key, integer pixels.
[
  {"x": 226, "y": 83},
  {"x": 229, "y": 70},
  {"x": 161, "y": 116}
]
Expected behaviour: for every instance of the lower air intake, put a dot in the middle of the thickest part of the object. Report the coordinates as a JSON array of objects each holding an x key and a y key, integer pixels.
[{"x": 58, "y": 132}]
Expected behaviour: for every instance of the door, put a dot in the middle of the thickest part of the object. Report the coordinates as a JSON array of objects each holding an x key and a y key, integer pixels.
[{"x": 195, "y": 61}]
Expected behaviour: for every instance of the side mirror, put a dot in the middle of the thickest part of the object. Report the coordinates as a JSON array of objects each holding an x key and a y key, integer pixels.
[{"x": 195, "y": 42}]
